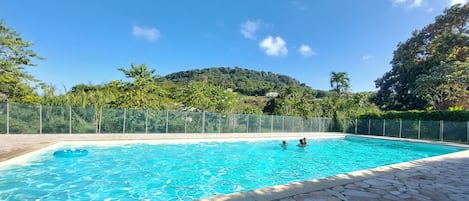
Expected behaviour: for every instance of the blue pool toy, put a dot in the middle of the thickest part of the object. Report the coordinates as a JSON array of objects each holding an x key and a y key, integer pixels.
[{"x": 69, "y": 153}]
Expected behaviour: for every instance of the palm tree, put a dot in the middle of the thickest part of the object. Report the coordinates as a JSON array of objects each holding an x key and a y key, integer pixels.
[{"x": 340, "y": 82}]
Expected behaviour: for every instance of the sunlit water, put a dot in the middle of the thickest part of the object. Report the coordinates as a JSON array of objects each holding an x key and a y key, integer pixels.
[{"x": 197, "y": 170}]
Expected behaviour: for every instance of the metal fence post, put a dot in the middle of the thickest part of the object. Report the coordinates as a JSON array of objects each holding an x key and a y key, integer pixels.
[
  {"x": 260, "y": 123},
  {"x": 467, "y": 133},
  {"x": 123, "y": 122},
  {"x": 219, "y": 122},
  {"x": 203, "y": 122},
  {"x": 146, "y": 122},
  {"x": 40, "y": 119},
  {"x": 369, "y": 126},
  {"x": 400, "y": 128},
  {"x": 272, "y": 123},
  {"x": 283, "y": 124},
  {"x": 70, "y": 119},
  {"x": 418, "y": 134},
  {"x": 8, "y": 118},
  {"x": 100, "y": 120},
  {"x": 185, "y": 123},
  {"x": 384, "y": 127},
  {"x": 441, "y": 130},
  {"x": 247, "y": 123},
  {"x": 356, "y": 126},
  {"x": 167, "y": 119}
]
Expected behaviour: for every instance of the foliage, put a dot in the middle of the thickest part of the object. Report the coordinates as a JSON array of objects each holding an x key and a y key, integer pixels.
[
  {"x": 446, "y": 85},
  {"x": 425, "y": 50},
  {"x": 436, "y": 115},
  {"x": 15, "y": 55},
  {"x": 340, "y": 82},
  {"x": 240, "y": 80}
]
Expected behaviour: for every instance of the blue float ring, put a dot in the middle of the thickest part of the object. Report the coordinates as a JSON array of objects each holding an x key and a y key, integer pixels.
[{"x": 69, "y": 153}]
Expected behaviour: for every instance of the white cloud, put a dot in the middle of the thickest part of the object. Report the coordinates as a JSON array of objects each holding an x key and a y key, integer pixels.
[
  {"x": 249, "y": 28},
  {"x": 300, "y": 5},
  {"x": 274, "y": 46},
  {"x": 367, "y": 57},
  {"x": 150, "y": 34},
  {"x": 454, "y": 2},
  {"x": 410, "y": 3},
  {"x": 399, "y": 1},
  {"x": 416, "y": 3},
  {"x": 306, "y": 51}
]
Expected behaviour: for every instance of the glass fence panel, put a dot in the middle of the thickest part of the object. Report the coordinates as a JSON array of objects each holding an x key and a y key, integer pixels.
[
  {"x": 240, "y": 123},
  {"x": 308, "y": 125},
  {"x": 176, "y": 122},
  {"x": 55, "y": 119},
  {"x": 226, "y": 124},
  {"x": 348, "y": 126},
  {"x": 212, "y": 122},
  {"x": 194, "y": 122},
  {"x": 278, "y": 124},
  {"x": 363, "y": 126},
  {"x": 297, "y": 124},
  {"x": 289, "y": 124},
  {"x": 376, "y": 127},
  {"x": 455, "y": 131},
  {"x": 430, "y": 130},
  {"x": 254, "y": 123},
  {"x": 24, "y": 119},
  {"x": 410, "y": 129},
  {"x": 392, "y": 128},
  {"x": 135, "y": 121},
  {"x": 316, "y": 125},
  {"x": 84, "y": 120},
  {"x": 266, "y": 123},
  {"x": 3, "y": 118},
  {"x": 156, "y": 121},
  {"x": 112, "y": 120}
]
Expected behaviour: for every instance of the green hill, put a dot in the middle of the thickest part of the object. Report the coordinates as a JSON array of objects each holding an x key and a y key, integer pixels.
[{"x": 241, "y": 80}]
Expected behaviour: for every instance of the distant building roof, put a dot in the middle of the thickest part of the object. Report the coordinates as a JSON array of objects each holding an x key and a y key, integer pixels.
[{"x": 271, "y": 94}]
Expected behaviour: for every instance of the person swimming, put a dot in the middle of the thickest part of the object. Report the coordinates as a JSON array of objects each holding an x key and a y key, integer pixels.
[
  {"x": 302, "y": 144},
  {"x": 284, "y": 144}
]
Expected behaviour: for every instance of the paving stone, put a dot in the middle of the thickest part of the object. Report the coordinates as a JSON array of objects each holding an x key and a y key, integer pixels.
[
  {"x": 375, "y": 182},
  {"x": 391, "y": 197},
  {"x": 362, "y": 184},
  {"x": 338, "y": 189},
  {"x": 336, "y": 194},
  {"x": 356, "y": 193}
]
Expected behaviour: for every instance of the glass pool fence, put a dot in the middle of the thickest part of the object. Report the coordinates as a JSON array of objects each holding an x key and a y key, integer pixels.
[
  {"x": 447, "y": 131},
  {"x": 40, "y": 119}
]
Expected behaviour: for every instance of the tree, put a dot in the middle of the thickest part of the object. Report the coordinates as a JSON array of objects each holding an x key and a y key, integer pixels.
[
  {"x": 142, "y": 92},
  {"x": 426, "y": 49},
  {"x": 15, "y": 55},
  {"x": 340, "y": 82},
  {"x": 447, "y": 85}
]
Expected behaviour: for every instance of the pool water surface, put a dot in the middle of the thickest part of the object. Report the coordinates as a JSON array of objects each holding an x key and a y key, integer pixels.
[{"x": 187, "y": 171}]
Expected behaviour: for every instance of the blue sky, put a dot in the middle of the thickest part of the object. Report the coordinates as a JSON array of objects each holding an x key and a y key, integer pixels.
[{"x": 86, "y": 41}]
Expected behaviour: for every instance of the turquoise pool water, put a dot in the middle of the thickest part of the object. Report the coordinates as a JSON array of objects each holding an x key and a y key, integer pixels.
[{"x": 197, "y": 170}]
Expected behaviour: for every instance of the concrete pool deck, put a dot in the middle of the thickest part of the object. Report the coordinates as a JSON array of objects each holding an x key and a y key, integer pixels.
[{"x": 443, "y": 177}]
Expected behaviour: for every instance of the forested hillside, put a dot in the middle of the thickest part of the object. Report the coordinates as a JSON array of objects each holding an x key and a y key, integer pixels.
[{"x": 240, "y": 80}]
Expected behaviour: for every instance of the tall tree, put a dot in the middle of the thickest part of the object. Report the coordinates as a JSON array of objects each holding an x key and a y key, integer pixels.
[
  {"x": 142, "y": 92},
  {"x": 340, "y": 82},
  {"x": 15, "y": 55},
  {"x": 426, "y": 49}
]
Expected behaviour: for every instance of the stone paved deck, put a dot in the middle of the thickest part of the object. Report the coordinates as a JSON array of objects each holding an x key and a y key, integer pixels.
[{"x": 438, "y": 178}]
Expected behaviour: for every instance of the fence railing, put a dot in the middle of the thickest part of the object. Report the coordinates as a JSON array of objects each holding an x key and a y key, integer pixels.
[
  {"x": 39, "y": 119},
  {"x": 447, "y": 131}
]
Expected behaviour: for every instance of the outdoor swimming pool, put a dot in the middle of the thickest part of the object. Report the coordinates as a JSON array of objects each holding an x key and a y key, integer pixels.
[{"x": 187, "y": 171}]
